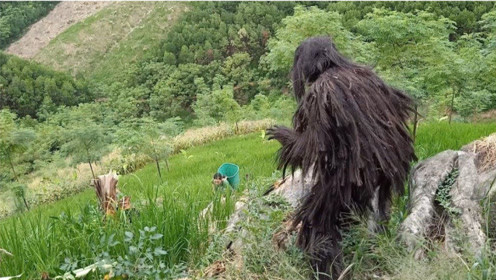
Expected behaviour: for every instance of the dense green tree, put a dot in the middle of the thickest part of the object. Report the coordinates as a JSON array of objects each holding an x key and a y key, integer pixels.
[
  {"x": 26, "y": 86},
  {"x": 84, "y": 134},
  {"x": 217, "y": 105},
  {"x": 488, "y": 78},
  {"x": 85, "y": 143},
  {"x": 307, "y": 22},
  {"x": 236, "y": 70},
  {"x": 466, "y": 14},
  {"x": 408, "y": 47},
  {"x": 174, "y": 95}
]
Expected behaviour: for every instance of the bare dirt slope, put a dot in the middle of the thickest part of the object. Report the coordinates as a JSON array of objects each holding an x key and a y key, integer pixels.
[
  {"x": 102, "y": 46},
  {"x": 57, "y": 21}
]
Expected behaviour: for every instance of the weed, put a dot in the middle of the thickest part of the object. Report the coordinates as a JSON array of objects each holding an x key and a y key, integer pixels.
[{"x": 443, "y": 196}]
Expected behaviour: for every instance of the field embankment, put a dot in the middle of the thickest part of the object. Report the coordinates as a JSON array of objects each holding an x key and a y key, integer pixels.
[
  {"x": 73, "y": 232},
  {"x": 54, "y": 182}
]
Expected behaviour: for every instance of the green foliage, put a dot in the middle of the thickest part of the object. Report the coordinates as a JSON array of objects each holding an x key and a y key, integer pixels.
[
  {"x": 259, "y": 107},
  {"x": 250, "y": 45},
  {"x": 443, "y": 196},
  {"x": 15, "y": 17},
  {"x": 14, "y": 140},
  {"x": 174, "y": 94},
  {"x": 307, "y": 22},
  {"x": 466, "y": 14},
  {"x": 74, "y": 226},
  {"x": 409, "y": 46},
  {"x": 218, "y": 105},
  {"x": 85, "y": 139},
  {"x": 141, "y": 258},
  {"x": 413, "y": 50},
  {"x": 146, "y": 137},
  {"x": 220, "y": 43},
  {"x": 29, "y": 88},
  {"x": 214, "y": 30},
  {"x": 236, "y": 70}
]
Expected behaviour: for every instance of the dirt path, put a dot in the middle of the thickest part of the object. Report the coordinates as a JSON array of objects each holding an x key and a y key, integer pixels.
[{"x": 59, "y": 19}]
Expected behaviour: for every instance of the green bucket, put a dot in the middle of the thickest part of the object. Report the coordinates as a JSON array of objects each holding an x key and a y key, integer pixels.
[{"x": 231, "y": 171}]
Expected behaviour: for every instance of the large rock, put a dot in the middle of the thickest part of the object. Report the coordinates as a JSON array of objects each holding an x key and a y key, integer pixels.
[
  {"x": 294, "y": 187},
  {"x": 460, "y": 218},
  {"x": 426, "y": 177}
]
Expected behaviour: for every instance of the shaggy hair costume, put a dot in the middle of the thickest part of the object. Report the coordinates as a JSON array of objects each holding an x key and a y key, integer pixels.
[{"x": 350, "y": 133}]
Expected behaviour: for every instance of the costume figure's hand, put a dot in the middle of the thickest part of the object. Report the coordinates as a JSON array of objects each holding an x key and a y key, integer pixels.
[
  {"x": 280, "y": 133},
  {"x": 272, "y": 133}
]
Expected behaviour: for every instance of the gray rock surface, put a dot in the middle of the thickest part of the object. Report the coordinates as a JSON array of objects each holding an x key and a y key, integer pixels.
[
  {"x": 471, "y": 187},
  {"x": 466, "y": 195},
  {"x": 294, "y": 187},
  {"x": 426, "y": 176}
]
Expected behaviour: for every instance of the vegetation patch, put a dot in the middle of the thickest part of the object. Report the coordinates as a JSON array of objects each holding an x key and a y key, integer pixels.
[
  {"x": 443, "y": 196},
  {"x": 74, "y": 226},
  {"x": 249, "y": 252}
]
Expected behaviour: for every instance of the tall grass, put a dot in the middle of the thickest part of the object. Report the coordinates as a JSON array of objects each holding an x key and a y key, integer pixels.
[{"x": 435, "y": 137}]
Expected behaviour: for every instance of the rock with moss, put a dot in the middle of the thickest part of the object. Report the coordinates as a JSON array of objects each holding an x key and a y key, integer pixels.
[{"x": 450, "y": 196}]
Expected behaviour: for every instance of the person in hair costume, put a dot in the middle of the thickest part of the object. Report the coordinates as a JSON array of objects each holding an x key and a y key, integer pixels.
[{"x": 350, "y": 132}]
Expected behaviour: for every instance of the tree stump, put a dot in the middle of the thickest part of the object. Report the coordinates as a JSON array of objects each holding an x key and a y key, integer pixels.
[{"x": 106, "y": 191}]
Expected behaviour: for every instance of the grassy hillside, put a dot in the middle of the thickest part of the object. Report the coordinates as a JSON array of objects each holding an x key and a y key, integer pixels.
[
  {"x": 171, "y": 206},
  {"x": 104, "y": 44},
  {"x": 53, "y": 237}
]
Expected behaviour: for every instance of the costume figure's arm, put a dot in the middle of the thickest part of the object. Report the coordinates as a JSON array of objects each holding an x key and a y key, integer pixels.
[{"x": 300, "y": 146}]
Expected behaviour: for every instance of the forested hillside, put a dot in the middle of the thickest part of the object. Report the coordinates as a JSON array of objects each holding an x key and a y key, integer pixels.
[
  {"x": 15, "y": 17},
  {"x": 31, "y": 89},
  {"x": 239, "y": 45}
]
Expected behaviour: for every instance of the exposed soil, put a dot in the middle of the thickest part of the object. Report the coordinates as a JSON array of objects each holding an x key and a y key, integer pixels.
[{"x": 59, "y": 19}]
